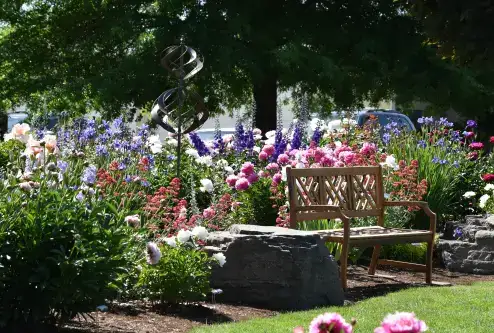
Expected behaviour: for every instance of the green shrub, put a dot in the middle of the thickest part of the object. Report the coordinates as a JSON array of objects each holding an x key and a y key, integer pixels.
[
  {"x": 257, "y": 205},
  {"x": 9, "y": 151},
  {"x": 182, "y": 274},
  {"x": 58, "y": 257},
  {"x": 415, "y": 253}
]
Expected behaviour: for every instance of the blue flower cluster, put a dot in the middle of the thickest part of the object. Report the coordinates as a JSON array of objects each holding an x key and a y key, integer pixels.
[
  {"x": 89, "y": 175},
  {"x": 430, "y": 121},
  {"x": 198, "y": 144},
  {"x": 297, "y": 137},
  {"x": 280, "y": 145}
]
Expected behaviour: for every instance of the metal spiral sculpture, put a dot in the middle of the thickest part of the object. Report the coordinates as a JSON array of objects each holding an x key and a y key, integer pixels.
[{"x": 180, "y": 110}]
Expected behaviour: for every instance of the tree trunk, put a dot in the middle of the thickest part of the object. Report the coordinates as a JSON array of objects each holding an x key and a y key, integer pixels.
[{"x": 266, "y": 96}]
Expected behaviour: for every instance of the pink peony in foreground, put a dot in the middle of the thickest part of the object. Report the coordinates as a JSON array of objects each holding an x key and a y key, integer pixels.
[
  {"x": 401, "y": 322},
  {"x": 330, "y": 323}
]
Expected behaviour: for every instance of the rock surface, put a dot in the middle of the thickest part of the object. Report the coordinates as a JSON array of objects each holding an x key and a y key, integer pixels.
[
  {"x": 275, "y": 268},
  {"x": 473, "y": 252}
]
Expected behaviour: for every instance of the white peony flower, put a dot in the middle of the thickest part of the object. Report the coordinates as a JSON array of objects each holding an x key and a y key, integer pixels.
[
  {"x": 337, "y": 144},
  {"x": 270, "y": 134},
  {"x": 200, "y": 232},
  {"x": 154, "y": 144},
  {"x": 391, "y": 163},
  {"x": 192, "y": 152},
  {"x": 483, "y": 200},
  {"x": 229, "y": 170},
  {"x": 207, "y": 186},
  {"x": 222, "y": 163},
  {"x": 133, "y": 220},
  {"x": 172, "y": 142},
  {"x": 284, "y": 177},
  {"x": 469, "y": 194},
  {"x": 153, "y": 253},
  {"x": 206, "y": 160},
  {"x": 489, "y": 187},
  {"x": 183, "y": 236},
  {"x": 25, "y": 186},
  {"x": 171, "y": 241},
  {"x": 19, "y": 132},
  {"x": 257, "y": 149},
  {"x": 220, "y": 257}
]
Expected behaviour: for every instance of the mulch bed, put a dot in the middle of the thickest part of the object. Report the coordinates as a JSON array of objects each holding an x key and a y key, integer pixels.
[{"x": 143, "y": 318}]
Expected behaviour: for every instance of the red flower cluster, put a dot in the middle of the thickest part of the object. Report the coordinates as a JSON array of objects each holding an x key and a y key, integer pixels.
[
  {"x": 406, "y": 186},
  {"x": 166, "y": 211}
]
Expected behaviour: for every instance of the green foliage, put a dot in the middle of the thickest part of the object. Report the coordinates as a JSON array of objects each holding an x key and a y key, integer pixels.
[
  {"x": 58, "y": 257},
  {"x": 182, "y": 274},
  {"x": 256, "y": 205},
  {"x": 405, "y": 252},
  {"x": 429, "y": 147},
  {"x": 10, "y": 151}
]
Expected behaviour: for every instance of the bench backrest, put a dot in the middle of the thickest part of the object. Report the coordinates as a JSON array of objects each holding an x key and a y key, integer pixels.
[{"x": 358, "y": 191}]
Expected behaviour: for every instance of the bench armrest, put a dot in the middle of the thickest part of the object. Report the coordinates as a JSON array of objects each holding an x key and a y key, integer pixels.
[{"x": 422, "y": 204}]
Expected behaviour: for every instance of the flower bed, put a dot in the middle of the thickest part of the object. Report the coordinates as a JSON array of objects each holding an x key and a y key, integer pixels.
[{"x": 96, "y": 190}]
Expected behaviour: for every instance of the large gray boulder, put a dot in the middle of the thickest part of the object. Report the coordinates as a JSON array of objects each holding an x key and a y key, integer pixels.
[{"x": 275, "y": 268}]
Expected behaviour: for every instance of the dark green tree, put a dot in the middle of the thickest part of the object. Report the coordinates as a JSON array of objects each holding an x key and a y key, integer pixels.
[{"x": 104, "y": 54}]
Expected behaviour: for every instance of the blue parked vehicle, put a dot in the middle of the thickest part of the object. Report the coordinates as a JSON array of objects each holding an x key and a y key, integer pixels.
[{"x": 385, "y": 117}]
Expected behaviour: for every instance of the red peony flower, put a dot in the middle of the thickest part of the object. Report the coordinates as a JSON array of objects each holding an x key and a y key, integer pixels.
[
  {"x": 491, "y": 139},
  {"x": 488, "y": 177}
]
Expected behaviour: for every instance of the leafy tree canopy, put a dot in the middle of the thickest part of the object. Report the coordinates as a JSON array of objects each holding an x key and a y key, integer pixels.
[{"x": 104, "y": 54}]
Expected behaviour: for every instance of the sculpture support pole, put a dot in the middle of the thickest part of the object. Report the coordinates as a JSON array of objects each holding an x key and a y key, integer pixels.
[{"x": 179, "y": 121}]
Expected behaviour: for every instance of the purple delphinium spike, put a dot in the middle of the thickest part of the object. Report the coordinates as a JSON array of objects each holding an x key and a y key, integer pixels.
[
  {"x": 297, "y": 137},
  {"x": 198, "y": 144}
]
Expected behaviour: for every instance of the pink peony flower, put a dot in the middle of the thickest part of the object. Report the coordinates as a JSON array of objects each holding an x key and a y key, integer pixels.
[
  {"x": 263, "y": 156},
  {"x": 330, "y": 322},
  {"x": 401, "y": 322},
  {"x": 340, "y": 149},
  {"x": 252, "y": 178},
  {"x": 242, "y": 184},
  {"x": 277, "y": 178},
  {"x": 263, "y": 174},
  {"x": 273, "y": 166},
  {"x": 476, "y": 145},
  {"x": 327, "y": 161},
  {"x": 283, "y": 159},
  {"x": 268, "y": 149},
  {"x": 231, "y": 180},
  {"x": 368, "y": 148},
  {"x": 347, "y": 156},
  {"x": 247, "y": 168},
  {"x": 209, "y": 213},
  {"x": 339, "y": 164}
]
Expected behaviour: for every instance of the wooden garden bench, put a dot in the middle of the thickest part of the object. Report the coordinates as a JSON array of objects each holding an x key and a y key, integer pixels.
[{"x": 350, "y": 192}]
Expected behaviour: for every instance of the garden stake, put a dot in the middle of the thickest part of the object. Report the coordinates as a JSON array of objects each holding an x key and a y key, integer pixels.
[{"x": 168, "y": 110}]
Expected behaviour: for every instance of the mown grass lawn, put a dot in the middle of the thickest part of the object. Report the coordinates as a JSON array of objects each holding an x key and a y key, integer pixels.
[{"x": 444, "y": 309}]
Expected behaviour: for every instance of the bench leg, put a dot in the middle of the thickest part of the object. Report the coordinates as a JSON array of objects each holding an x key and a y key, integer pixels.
[
  {"x": 375, "y": 257},
  {"x": 428, "y": 264},
  {"x": 344, "y": 265}
]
